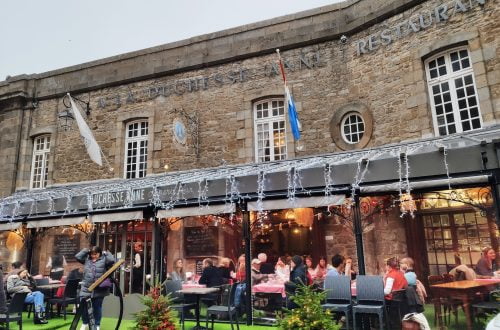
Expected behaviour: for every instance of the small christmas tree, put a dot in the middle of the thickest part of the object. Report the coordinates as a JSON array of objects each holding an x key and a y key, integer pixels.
[
  {"x": 309, "y": 314},
  {"x": 157, "y": 315}
]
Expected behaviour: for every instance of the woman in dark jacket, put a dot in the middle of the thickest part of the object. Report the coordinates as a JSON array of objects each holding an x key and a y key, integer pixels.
[
  {"x": 297, "y": 277},
  {"x": 96, "y": 263}
]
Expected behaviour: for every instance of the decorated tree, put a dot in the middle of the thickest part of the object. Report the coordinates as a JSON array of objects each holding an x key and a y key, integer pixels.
[
  {"x": 157, "y": 315},
  {"x": 309, "y": 315}
]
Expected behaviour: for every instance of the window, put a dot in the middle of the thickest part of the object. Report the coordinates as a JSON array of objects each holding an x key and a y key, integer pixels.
[
  {"x": 136, "y": 149},
  {"x": 453, "y": 92},
  {"x": 270, "y": 131},
  {"x": 40, "y": 164},
  {"x": 353, "y": 128}
]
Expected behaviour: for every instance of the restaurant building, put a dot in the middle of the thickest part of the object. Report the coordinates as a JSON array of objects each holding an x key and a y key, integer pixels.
[{"x": 399, "y": 106}]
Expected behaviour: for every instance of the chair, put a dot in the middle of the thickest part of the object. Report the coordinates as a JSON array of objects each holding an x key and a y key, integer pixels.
[
  {"x": 15, "y": 311},
  {"x": 42, "y": 281},
  {"x": 371, "y": 298},
  {"x": 448, "y": 307},
  {"x": 338, "y": 296},
  {"x": 70, "y": 296},
  {"x": 227, "y": 307},
  {"x": 56, "y": 275},
  {"x": 172, "y": 289},
  {"x": 490, "y": 306}
]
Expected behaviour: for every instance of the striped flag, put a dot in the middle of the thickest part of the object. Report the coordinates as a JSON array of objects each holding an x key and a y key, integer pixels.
[
  {"x": 93, "y": 148},
  {"x": 292, "y": 110}
]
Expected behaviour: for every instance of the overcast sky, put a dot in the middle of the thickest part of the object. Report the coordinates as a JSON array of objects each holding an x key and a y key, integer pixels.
[{"x": 42, "y": 35}]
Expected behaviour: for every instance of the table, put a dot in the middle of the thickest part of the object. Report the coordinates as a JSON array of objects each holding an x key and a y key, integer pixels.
[
  {"x": 198, "y": 292},
  {"x": 270, "y": 288},
  {"x": 464, "y": 291},
  {"x": 193, "y": 285}
]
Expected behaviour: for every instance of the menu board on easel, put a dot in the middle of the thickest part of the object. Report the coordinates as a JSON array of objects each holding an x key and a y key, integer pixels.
[
  {"x": 68, "y": 245},
  {"x": 201, "y": 241}
]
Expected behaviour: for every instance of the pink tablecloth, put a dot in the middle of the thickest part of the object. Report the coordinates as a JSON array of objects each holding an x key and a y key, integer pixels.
[
  {"x": 193, "y": 285},
  {"x": 270, "y": 288}
]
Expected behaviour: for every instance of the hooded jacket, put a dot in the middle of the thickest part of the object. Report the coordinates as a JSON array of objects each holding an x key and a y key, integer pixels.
[
  {"x": 92, "y": 271},
  {"x": 16, "y": 284}
]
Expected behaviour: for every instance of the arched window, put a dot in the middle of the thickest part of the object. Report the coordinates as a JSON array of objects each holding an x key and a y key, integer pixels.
[
  {"x": 453, "y": 94},
  {"x": 353, "y": 127},
  {"x": 270, "y": 130},
  {"x": 136, "y": 149},
  {"x": 40, "y": 162}
]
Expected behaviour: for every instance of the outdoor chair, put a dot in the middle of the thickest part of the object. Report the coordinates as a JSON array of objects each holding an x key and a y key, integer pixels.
[
  {"x": 70, "y": 296},
  {"x": 172, "y": 289},
  {"x": 227, "y": 308},
  {"x": 397, "y": 308},
  {"x": 338, "y": 296},
  {"x": 56, "y": 275},
  {"x": 449, "y": 305},
  {"x": 370, "y": 297},
  {"x": 14, "y": 311},
  {"x": 491, "y": 306}
]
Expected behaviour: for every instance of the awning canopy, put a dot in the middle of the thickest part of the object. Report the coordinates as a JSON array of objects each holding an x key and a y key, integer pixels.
[
  {"x": 117, "y": 216},
  {"x": 280, "y": 204},
  {"x": 394, "y": 186},
  {"x": 10, "y": 226},
  {"x": 197, "y": 210},
  {"x": 45, "y": 223}
]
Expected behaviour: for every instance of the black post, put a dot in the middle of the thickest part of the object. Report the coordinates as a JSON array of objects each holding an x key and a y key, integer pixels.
[
  {"x": 247, "y": 236},
  {"x": 29, "y": 241},
  {"x": 358, "y": 233}
]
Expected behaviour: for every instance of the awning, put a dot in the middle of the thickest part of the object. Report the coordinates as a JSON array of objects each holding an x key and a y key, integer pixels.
[
  {"x": 394, "y": 186},
  {"x": 117, "y": 216},
  {"x": 197, "y": 210},
  {"x": 280, "y": 204},
  {"x": 10, "y": 226},
  {"x": 45, "y": 223}
]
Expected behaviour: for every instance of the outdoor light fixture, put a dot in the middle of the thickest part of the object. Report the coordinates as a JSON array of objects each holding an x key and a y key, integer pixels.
[{"x": 66, "y": 117}]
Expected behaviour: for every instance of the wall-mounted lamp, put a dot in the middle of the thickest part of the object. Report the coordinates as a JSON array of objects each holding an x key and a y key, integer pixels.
[{"x": 66, "y": 117}]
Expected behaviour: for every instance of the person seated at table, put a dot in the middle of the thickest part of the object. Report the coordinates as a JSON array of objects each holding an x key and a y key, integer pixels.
[
  {"x": 257, "y": 276},
  {"x": 349, "y": 268},
  {"x": 56, "y": 264},
  {"x": 210, "y": 276},
  {"x": 486, "y": 266},
  {"x": 15, "y": 267},
  {"x": 240, "y": 274},
  {"x": 178, "y": 273},
  {"x": 265, "y": 267},
  {"x": 224, "y": 269},
  {"x": 337, "y": 266},
  {"x": 394, "y": 279},
  {"x": 297, "y": 277},
  {"x": 320, "y": 270},
  {"x": 282, "y": 270},
  {"x": 310, "y": 268},
  {"x": 22, "y": 282},
  {"x": 407, "y": 268}
]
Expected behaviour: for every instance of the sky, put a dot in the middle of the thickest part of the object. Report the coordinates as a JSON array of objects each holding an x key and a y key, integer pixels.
[{"x": 42, "y": 35}]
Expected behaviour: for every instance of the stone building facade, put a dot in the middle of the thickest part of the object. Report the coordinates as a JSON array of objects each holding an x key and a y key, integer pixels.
[{"x": 359, "y": 56}]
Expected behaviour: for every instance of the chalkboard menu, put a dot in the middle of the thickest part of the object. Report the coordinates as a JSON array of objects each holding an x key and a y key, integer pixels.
[
  {"x": 68, "y": 245},
  {"x": 201, "y": 241}
]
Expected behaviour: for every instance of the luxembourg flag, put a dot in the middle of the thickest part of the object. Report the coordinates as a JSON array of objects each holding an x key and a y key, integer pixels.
[{"x": 292, "y": 111}]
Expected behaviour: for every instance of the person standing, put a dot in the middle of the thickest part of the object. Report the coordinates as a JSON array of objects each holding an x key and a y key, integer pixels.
[
  {"x": 297, "y": 277},
  {"x": 22, "y": 282},
  {"x": 138, "y": 268},
  {"x": 96, "y": 262},
  {"x": 56, "y": 264}
]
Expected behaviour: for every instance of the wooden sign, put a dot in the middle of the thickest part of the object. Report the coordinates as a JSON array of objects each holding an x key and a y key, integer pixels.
[
  {"x": 201, "y": 241},
  {"x": 106, "y": 275}
]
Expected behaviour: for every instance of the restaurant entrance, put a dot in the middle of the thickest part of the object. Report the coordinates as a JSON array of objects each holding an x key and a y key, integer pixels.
[{"x": 130, "y": 241}]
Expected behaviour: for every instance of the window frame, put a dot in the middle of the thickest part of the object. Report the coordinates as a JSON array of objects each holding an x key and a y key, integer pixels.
[
  {"x": 139, "y": 138},
  {"x": 450, "y": 78},
  {"x": 270, "y": 120},
  {"x": 45, "y": 154},
  {"x": 342, "y": 123}
]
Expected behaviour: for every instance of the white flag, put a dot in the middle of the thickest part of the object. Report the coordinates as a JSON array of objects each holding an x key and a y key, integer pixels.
[{"x": 93, "y": 148}]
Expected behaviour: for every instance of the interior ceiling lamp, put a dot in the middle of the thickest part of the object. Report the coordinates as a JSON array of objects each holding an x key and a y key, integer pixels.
[
  {"x": 66, "y": 117},
  {"x": 290, "y": 215}
]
